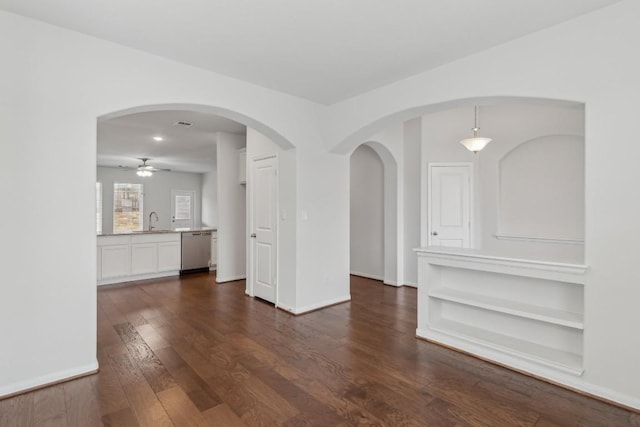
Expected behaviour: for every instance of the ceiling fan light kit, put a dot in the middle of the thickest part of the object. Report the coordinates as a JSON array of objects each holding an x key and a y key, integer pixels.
[{"x": 145, "y": 170}]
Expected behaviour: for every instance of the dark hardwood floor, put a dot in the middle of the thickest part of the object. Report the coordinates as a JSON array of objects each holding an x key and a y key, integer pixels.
[{"x": 190, "y": 352}]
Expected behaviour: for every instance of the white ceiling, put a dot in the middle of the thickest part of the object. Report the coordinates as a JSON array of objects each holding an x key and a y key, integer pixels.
[
  {"x": 123, "y": 140},
  {"x": 322, "y": 50}
]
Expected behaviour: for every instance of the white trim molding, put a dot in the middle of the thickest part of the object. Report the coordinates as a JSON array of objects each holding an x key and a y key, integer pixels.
[
  {"x": 230, "y": 279},
  {"x": 489, "y": 262},
  {"x": 522, "y": 238},
  {"x": 312, "y": 307},
  {"x": 367, "y": 275},
  {"x": 48, "y": 379}
]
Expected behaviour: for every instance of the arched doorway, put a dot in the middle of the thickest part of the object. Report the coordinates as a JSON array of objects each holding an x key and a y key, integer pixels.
[
  {"x": 232, "y": 239},
  {"x": 374, "y": 214}
]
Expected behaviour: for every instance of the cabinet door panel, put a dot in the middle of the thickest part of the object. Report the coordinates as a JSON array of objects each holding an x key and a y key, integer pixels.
[
  {"x": 169, "y": 256},
  {"x": 115, "y": 261},
  {"x": 144, "y": 258}
]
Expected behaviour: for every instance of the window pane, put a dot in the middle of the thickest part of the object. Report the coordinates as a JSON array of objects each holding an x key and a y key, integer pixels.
[
  {"x": 183, "y": 207},
  {"x": 127, "y": 207}
]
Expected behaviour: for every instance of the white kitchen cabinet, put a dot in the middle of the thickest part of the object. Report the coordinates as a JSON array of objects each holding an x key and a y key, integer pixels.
[
  {"x": 124, "y": 258},
  {"x": 115, "y": 261},
  {"x": 144, "y": 258},
  {"x": 168, "y": 256},
  {"x": 242, "y": 166}
]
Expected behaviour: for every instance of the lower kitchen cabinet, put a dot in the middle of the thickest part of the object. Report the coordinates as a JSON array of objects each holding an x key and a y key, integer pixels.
[
  {"x": 115, "y": 261},
  {"x": 144, "y": 258},
  {"x": 124, "y": 258},
  {"x": 169, "y": 256}
]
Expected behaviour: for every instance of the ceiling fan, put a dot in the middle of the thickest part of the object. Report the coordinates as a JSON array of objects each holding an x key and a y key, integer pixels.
[
  {"x": 147, "y": 170},
  {"x": 144, "y": 169}
]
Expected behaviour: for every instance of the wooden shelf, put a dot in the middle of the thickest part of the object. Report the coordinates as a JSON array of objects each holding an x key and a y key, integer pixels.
[
  {"x": 544, "y": 314},
  {"x": 554, "y": 358}
]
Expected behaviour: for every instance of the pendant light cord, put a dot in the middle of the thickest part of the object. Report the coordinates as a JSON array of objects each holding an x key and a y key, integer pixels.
[{"x": 475, "y": 121}]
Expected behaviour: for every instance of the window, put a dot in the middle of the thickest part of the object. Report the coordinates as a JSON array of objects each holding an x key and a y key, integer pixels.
[
  {"x": 98, "y": 208},
  {"x": 183, "y": 207},
  {"x": 127, "y": 207}
]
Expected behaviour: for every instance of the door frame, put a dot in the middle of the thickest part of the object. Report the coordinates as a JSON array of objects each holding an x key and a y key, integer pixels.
[
  {"x": 250, "y": 223},
  {"x": 429, "y": 205}
]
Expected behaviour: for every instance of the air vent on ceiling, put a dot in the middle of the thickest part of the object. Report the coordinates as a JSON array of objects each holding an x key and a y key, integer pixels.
[{"x": 183, "y": 124}]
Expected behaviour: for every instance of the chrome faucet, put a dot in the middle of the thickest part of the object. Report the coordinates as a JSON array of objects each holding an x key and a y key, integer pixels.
[{"x": 151, "y": 227}]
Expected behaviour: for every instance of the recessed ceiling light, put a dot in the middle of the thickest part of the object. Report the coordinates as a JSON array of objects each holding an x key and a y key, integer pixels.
[{"x": 158, "y": 138}]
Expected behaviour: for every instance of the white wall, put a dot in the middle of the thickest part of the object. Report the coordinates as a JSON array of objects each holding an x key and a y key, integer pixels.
[
  {"x": 210, "y": 199},
  {"x": 572, "y": 62},
  {"x": 367, "y": 213},
  {"x": 258, "y": 146},
  {"x": 412, "y": 159},
  {"x": 156, "y": 194},
  {"x": 55, "y": 85},
  {"x": 232, "y": 235},
  {"x": 322, "y": 192},
  {"x": 510, "y": 126},
  {"x": 541, "y": 189},
  {"x": 51, "y": 75}
]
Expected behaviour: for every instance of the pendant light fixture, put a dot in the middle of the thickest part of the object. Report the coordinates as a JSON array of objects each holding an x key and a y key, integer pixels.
[{"x": 475, "y": 143}]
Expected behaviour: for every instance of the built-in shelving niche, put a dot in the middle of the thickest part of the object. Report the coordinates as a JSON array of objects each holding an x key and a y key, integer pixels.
[{"x": 479, "y": 308}]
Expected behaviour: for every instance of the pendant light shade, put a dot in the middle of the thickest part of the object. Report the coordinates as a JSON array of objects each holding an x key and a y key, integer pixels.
[{"x": 475, "y": 143}]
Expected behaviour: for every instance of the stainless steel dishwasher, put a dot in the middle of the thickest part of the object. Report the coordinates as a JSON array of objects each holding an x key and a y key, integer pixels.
[{"x": 196, "y": 251}]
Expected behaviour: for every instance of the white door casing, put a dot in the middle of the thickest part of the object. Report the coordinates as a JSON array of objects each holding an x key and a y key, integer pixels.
[
  {"x": 449, "y": 204},
  {"x": 263, "y": 227},
  {"x": 183, "y": 209}
]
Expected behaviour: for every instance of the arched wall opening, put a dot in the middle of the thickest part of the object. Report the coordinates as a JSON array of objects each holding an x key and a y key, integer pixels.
[
  {"x": 374, "y": 213},
  {"x": 227, "y": 194},
  {"x": 510, "y": 121},
  {"x": 264, "y": 129},
  {"x": 350, "y": 141}
]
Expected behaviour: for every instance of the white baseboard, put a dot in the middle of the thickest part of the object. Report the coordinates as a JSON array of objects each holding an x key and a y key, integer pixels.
[
  {"x": 411, "y": 284},
  {"x": 285, "y": 307},
  {"x": 562, "y": 379},
  {"x": 230, "y": 279},
  {"x": 137, "y": 277},
  {"x": 49, "y": 379},
  {"x": 312, "y": 307},
  {"x": 610, "y": 395},
  {"x": 367, "y": 276},
  {"x": 390, "y": 283}
]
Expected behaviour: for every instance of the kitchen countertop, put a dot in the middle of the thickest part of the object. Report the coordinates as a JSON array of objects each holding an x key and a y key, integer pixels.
[{"x": 160, "y": 231}]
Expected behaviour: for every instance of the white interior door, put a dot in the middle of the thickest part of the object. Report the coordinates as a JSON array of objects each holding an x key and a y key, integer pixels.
[
  {"x": 449, "y": 205},
  {"x": 264, "y": 217},
  {"x": 183, "y": 209}
]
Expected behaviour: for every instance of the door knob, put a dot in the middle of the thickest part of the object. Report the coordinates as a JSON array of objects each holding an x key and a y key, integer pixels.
[
  {"x": 434, "y": 233},
  {"x": 253, "y": 235}
]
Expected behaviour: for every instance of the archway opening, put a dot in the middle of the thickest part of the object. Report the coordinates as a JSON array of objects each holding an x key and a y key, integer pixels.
[
  {"x": 373, "y": 213},
  {"x": 194, "y": 149}
]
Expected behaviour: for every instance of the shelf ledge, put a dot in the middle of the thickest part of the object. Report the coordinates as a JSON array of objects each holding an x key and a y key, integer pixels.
[
  {"x": 549, "y": 357},
  {"x": 544, "y": 314},
  {"x": 435, "y": 253}
]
